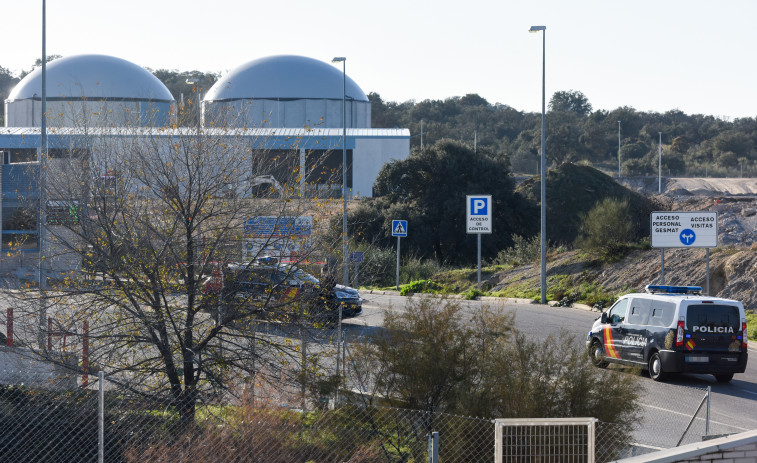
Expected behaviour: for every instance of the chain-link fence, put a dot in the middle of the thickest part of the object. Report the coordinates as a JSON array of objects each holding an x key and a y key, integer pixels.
[
  {"x": 58, "y": 425},
  {"x": 276, "y": 415}
]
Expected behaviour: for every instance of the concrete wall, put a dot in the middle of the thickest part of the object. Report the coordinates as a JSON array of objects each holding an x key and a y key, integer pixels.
[
  {"x": 21, "y": 366},
  {"x": 87, "y": 113},
  {"x": 369, "y": 156},
  {"x": 738, "y": 448},
  {"x": 268, "y": 113}
]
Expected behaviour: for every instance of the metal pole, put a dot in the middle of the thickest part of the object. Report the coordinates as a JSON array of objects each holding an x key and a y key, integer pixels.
[
  {"x": 344, "y": 175},
  {"x": 707, "y": 420},
  {"x": 101, "y": 417},
  {"x": 707, "y": 251},
  {"x": 618, "y": 149},
  {"x": 41, "y": 166},
  {"x": 543, "y": 171},
  {"x": 479, "y": 258},
  {"x": 421, "y": 135},
  {"x": 398, "y": 263},
  {"x": 662, "y": 266},
  {"x": 659, "y": 167}
]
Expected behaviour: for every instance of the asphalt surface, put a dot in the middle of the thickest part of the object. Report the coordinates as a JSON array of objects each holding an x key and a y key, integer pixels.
[{"x": 667, "y": 407}]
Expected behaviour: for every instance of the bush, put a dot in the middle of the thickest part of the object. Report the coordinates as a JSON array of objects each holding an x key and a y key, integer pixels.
[
  {"x": 420, "y": 286},
  {"x": 605, "y": 229},
  {"x": 523, "y": 251},
  {"x": 431, "y": 357}
]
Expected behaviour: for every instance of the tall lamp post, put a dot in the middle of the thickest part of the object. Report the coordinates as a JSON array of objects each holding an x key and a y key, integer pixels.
[
  {"x": 543, "y": 30},
  {"x": 345, "y": 267},
  {"x": 42, "y": 281},
  {"x": 659, "y": 166},
  {"x": 618, "y": 149}
]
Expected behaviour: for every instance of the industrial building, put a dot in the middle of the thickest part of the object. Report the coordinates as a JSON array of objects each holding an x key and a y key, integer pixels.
[{"x": 279, "y": 105}]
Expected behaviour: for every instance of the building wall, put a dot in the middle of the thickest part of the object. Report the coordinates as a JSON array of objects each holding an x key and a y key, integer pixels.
[
  {"x": 738, "y": 448},
  {"x": 79, "y": 113},
  {"x": 267, "y": 113},
  {"x": 369, "y": 156}
]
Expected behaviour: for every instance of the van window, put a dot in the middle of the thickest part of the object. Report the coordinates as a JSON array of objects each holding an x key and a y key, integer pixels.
[
  {"x": 662, "y": 313},
  {"x": 639, "y": 312},
  {"x": 617, "y": 313},
  {"x": 706, "y": 317}
]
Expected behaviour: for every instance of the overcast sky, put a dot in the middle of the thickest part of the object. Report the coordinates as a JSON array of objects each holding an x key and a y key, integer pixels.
[{"x": 694, "y": 55}]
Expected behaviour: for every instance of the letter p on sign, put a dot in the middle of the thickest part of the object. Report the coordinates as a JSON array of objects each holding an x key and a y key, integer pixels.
[{"x": 478, "y": 206}]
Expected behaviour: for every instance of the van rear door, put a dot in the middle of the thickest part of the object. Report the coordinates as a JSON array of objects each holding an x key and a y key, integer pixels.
[{"x": 713, "y": 327}]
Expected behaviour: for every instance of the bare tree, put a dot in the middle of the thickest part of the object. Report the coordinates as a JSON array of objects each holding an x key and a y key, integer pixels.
[{"x": 139, "y": 220}]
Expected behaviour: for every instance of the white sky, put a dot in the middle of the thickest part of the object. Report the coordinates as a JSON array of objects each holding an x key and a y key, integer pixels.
[{"x": 655, "y": 55}]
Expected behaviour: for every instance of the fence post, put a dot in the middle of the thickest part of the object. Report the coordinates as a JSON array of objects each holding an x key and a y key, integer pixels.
[
  {"x": 435, "y": 452},
  {"x": 9, "y": 328},
  {"x": 498, "y": 442},
  {"x": 707, "y": 420},
  {"x": 101, "y": 418},
  {"x": 433, "y": 447},
  {"x": 85, "y": 356}
]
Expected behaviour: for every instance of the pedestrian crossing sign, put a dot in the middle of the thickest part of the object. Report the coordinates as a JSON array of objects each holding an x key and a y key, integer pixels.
[{"x": 399, "y": 228}]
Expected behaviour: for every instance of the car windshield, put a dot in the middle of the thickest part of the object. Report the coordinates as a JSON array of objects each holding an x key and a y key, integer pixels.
[{"x": 302, "y": 275}]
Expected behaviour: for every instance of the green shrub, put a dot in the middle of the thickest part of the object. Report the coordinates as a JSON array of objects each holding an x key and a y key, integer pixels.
[
  {"x": 473, "y": 293},
  {"x": 523, "y": 251},
  {"x": 420, "y": 286},
  {"x": 606, "y": 229}
]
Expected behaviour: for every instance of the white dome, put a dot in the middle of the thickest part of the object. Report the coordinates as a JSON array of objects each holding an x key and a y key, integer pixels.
[
  {"x": 94, "y": 77},
  {"x": 285, "y": 77}
]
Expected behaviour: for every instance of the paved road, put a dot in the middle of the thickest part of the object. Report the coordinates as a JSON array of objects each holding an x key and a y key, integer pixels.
[{"x": 667, "y": 407}]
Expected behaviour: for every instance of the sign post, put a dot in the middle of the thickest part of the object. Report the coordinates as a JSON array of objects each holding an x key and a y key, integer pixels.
[
  {"x": 478, "y": 220},
  {"x": 356, "y": 257},
  {"x": 399, "y": 229},
  {"x": 684, "y": 230}
]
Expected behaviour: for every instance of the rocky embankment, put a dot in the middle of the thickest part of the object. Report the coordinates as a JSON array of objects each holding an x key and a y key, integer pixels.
[{"x": 732, "y": 265}]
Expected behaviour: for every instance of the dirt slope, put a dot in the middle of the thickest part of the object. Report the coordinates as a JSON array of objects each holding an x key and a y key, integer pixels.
[{"x": 733, "y": 265}]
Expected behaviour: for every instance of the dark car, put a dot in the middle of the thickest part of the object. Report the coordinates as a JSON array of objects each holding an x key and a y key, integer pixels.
[{"x": 281, "y": 288}]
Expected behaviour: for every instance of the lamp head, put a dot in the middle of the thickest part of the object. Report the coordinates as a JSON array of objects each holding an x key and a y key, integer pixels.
[
  {"x": 339, "y": 59},
  {"x": 537, "y": 28}
]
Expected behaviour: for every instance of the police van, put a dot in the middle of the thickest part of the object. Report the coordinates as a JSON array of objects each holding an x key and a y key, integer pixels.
[{"x": 672, "y": 329}]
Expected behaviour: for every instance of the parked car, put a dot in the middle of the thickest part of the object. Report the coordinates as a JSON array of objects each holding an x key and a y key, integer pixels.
[{"x": 264, "y": 285}]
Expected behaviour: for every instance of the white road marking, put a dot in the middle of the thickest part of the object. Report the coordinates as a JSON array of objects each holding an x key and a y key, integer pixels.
[{"x": 689, "y": 416}]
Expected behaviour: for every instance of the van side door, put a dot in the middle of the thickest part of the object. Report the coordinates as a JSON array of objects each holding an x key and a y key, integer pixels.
[{"x": 636, "y": 334}]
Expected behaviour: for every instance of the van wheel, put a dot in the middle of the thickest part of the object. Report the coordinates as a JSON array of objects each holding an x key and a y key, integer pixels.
[
  {"x": 597, "y": 354},
  {"x": 724, "y": 378},
  {"x": 655, "y": 367}
]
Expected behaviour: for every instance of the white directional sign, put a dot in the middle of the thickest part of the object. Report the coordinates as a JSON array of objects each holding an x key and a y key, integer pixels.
[
  {"x": 684, "y": 229},
  {"x": 399, "y": 228},
  {"x": 478, "y": 213}
]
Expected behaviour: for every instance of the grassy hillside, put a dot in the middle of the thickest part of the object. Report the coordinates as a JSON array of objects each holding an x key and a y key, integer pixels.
[{"x": 572, "y": 191}]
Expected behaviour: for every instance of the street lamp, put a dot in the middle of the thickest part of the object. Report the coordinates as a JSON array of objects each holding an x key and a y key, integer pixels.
[
  {"x": 543, "y": 29},
  {"x": 343, "y": 60},
  {"x": 618, "y": 149},
  {"x": 345, "y": 267},
  {"x": 659, "y": 166}
]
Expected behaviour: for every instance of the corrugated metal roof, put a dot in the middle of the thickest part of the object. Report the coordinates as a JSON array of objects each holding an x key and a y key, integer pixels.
[
  {"x": 190, "y": 131},
  {"x": 262, "y": 138}
]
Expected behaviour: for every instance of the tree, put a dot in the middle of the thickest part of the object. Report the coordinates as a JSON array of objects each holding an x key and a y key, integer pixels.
[
  {"x": 570, "y": 101},
  {"x": 187, "y": 94},
  {"x": 434, "y": 357},
  {"x": 7, "y": 81},
  {"x": 161, "y": 212},
  {"x": 606, "y": 228},
  {"x": 432, "y": 186}
]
